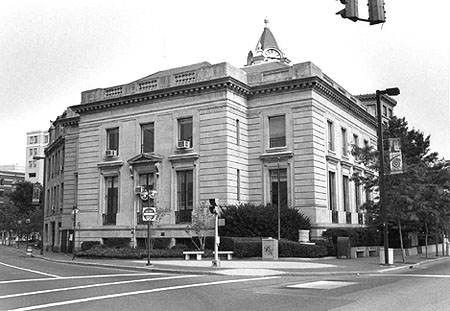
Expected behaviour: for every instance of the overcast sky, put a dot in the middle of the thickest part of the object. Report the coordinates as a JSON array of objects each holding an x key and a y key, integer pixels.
[{"x": 51, "y": 51}]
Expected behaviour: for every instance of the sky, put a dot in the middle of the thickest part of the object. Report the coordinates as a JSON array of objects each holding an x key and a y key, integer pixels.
[{"x": 51, "y": 51}]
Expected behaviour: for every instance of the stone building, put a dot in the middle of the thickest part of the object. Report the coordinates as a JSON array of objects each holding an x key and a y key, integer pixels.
[
  {"x": 217, "y": 131},
  {"x": 60, "y": 181},
  {"x": 36, "y": 143}
]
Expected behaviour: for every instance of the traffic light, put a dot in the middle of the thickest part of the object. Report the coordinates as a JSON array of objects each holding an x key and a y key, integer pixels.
[
  {"x": 212, "y": 206},
  {"x": 376, "y": 12},
  {"x": 350, "y": 11}
]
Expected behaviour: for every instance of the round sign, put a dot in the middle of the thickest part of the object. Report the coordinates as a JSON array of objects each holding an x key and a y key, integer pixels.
[{"x": 149, "y": 214}]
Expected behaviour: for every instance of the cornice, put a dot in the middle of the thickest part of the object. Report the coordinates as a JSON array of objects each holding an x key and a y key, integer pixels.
[
  {"x": 231, "y": 84},
  {"x": 70, "y": 121},
  {"x": 55, "y": 144},
  {"x": 227, "y": 83},
  {"x": 335, "y": 96}
]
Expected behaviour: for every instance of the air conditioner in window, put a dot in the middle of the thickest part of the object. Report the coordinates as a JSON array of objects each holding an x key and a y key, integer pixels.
[
  {"x": 184, "y": 144},
  {"x": 110, "y": 153}
]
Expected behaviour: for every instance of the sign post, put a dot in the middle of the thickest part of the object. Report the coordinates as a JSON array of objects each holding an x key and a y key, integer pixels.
[{"x": 148, "y": 215}]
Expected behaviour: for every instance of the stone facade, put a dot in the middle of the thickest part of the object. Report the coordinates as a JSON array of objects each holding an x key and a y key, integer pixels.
[{"x": 266, "y": 133}]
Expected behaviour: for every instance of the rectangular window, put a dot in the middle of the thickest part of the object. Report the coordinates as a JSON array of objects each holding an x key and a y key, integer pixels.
[
  {"x": 366, "y": 143},
  {"x": 112, "y": 200},
  {"x": 238, "y": 133},
  {"x": 390, "y": 113},
  {"x": 282, "y": 182},
  {"x": 148, "y": 138},
  {"x": 185, "y": 190},
  {"x": 277, "y": 131},
  {"x": 344, "y": 142},
  {"x": 112, "y": 137},
  {"x": 330, "y": 134},
  {"x": 185, "y": 130},
  {"x": 332, "y": 191},
  {"x": 345, "y": 189},
  {"x": 238, "y": 185},
  {"x": 357, "y": 195},
  {"x": 384, "y": 111},
  {"x": 355, "y": 140}
]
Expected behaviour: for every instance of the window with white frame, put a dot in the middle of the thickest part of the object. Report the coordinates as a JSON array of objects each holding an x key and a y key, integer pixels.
[
  {"x": 112, "y": 139},
  {"x": 330, "y": 135},
  {"x": 277, "y": 131},
  {"x": 185, "y": 128},
  {"x": 278, "y": 180},
  {"x": 185, "y": 190},
  {"x": 344, "y": 141},
  {"x": 332, "y": 191},
  {"x": 148, "y": 138}
]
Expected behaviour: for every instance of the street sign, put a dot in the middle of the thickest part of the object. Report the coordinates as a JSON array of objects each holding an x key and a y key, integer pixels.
[
  {"x": 149, "y": 214},
  {"x": 395, "y": 156}
]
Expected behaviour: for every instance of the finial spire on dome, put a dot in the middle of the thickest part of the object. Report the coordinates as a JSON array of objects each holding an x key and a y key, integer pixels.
[{"x": 266, "y": 49}]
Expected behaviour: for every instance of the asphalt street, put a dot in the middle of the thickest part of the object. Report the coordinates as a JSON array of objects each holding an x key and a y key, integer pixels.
[{"x": 28, "y": 283}]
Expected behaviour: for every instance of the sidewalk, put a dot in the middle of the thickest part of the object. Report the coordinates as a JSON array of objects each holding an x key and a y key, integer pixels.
[{"x": 252, "y": 266}]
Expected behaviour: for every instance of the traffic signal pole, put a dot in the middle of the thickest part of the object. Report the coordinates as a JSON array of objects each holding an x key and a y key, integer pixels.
[{"x": 216, "y": 261}]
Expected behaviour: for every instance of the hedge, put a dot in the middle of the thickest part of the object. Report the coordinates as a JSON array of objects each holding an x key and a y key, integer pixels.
[
  {"x": 102, "y": 251},
  {"x": 357, "y": 236},
  {"x": 252, "y": 247},
  {"x": 249, "y": 220}
]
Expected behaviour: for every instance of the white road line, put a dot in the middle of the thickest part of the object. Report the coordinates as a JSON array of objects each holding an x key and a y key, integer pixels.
[
  {"x": 155, "y": 290},
  {"x": 28, "y": 270},
  {"x": 322, "y": 285},
  {"x": 80, "y": 277},
  {"x": 93, "y": 285},
  {"x": 443, "y": 276}
]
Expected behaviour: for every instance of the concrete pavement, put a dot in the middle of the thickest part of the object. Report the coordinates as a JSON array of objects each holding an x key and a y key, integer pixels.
[{"x": 252, "y": 266}]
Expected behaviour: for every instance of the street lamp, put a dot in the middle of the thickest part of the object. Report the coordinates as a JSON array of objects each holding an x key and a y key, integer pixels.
[
  {"x": 391, "y": 92},
  {"x": 75, "y": 211},
  {"x": 36, "y": 157}
]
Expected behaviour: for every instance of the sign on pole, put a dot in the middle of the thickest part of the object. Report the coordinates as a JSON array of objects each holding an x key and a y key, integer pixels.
[
  {"x": 149, "y": 214},
  {"x": 395, "y": 156}
]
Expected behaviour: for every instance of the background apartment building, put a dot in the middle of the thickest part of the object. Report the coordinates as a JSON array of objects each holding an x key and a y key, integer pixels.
[{"x": 36, "y": 143}]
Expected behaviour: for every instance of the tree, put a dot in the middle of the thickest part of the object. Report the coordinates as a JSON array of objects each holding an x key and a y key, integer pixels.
[
  {"x": 201, "y": 225},
  {"x": 407, "y": 201},
  {"x": 20, "y": 207}
]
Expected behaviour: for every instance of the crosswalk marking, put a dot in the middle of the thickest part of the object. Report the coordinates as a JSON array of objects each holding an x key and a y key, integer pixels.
[{"x": 322, "y": 285}]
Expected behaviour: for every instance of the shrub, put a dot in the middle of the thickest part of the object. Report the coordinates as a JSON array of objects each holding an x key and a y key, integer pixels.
[
  {"x": 102, "y": 251},
  {"x": 357, "y": 236},
  {"x": 252, "y": 247},
  {"x": 329, "y": 246},
  {"x": 288, "y": 248},
  {"x": 248, "y": 220},
  {"x": 242, "y": 246},
  {"x": 89, "y": 244},
  {"x": 117, "y": 242}
]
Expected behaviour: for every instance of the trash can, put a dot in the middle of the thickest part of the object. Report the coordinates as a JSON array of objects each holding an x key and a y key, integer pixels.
[
  {"x": 269, "y": 249},
  {"x": 343, "y": 247},
  {"x": 391, "y": 256}
]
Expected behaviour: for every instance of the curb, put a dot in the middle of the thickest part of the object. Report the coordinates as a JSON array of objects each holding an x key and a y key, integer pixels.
[{"x": 212, "y": 271}]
